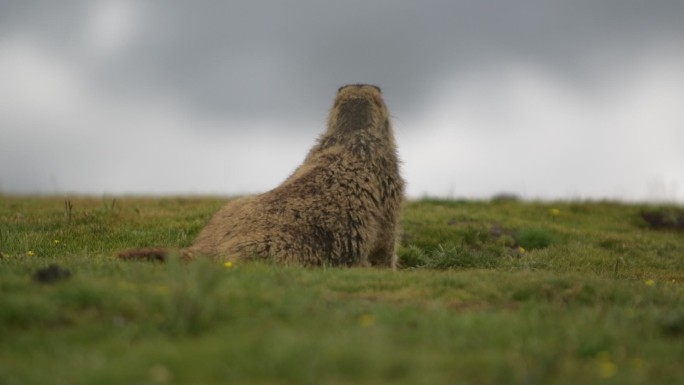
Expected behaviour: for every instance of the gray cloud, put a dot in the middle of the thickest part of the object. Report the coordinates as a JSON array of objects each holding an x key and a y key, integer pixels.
[
  {"x": 269, "y": 69},
  {"x": 278, "y": 58}
]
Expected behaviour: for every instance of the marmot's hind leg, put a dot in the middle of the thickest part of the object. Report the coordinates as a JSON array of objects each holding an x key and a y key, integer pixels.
[
  {"x": 385, "y": 256},
  {"x": 154, "y": 254},
  {"x": 157, "y": 254}
]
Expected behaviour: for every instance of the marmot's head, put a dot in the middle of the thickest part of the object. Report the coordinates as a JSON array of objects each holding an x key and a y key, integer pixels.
[{"x": 359, "y": 107}]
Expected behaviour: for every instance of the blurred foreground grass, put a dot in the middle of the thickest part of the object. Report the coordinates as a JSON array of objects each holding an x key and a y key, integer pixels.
[{"x": 500, "y": 292}]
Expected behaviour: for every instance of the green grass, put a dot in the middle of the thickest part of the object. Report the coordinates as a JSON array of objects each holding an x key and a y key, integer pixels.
[{"x": 501, "y": 292}]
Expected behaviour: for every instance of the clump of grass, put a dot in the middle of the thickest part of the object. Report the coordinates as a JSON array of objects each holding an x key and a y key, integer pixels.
[
  {"x": 615, "y": 244},
  {"x": 534, "y": 238},
  {"x": 413, "y": 256},
  {"x": 191, "y": 305},
  {"x": 68, "y": 210},
  {"x": 449, "y": 256}
]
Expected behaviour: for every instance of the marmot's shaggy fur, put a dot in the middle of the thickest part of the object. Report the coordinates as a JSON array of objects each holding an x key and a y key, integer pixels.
[{"x": 339, "y": 208}]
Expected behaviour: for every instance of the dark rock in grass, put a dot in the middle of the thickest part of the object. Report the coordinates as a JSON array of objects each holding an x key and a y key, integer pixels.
[
  {"x": 50, "y": 274},
  {"x": 673, "y": 325},
  {"x": 664, "y": 219}
]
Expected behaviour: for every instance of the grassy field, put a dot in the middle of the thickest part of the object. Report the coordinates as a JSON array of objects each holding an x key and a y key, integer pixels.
[{"x": 500, "y": 292}]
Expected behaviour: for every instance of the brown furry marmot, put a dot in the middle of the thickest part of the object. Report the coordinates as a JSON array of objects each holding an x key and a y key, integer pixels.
[{"x": 339, "y": 208}]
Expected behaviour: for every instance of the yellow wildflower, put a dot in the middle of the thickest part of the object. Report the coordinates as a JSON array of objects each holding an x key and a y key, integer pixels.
[
  {"x": 607, "y": 369},
  {"x": 160, "y": 374},
  {"x": 606, "y": 366},
  {"x": 367, "y": 320},
  {"x": 56, "y": 241},
  {"x": 554, "y": 212},
  {"x": 521, "y": 250},
  {"x": 649, "y": 282},
  {"x": 228, "y": 265},
  {"x": 30, "y": 253}
]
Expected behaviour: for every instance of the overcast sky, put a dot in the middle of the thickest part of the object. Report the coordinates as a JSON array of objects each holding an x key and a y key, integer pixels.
[{"x": 576, "y": 99}]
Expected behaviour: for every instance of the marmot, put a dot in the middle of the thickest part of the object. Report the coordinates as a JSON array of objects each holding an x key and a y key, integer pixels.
[{"x": 339, "y": 208}]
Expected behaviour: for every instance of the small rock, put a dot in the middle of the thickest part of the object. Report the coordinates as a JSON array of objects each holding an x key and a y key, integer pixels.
[{"x": 50, "y": 274}]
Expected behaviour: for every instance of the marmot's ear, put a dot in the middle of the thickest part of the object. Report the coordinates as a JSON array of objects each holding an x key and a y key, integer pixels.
[
  {"x": 377, "y": 99},
  {"x": 359, "y": 85}
]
